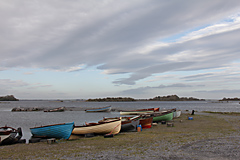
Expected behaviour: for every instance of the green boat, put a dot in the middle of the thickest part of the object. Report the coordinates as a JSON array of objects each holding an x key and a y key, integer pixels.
[{"x": 163, "y": 117}]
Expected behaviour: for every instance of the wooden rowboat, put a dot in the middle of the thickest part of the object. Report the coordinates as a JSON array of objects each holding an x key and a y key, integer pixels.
[
  {"x": 103, "y": 109},
  {"x": 105, "y": 126},
  {"x": 163, "y": 117},
  {"x": 146, "y": 122},
  {"x": 58, "y": 131},
  {"x": 139, "y": 111},
  {"x": 9, "y": 135},
  {"x": 129, "y": 124}
]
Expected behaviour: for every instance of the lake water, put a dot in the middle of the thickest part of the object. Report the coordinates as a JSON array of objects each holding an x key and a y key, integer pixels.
[{"x": 26, "y": 120}]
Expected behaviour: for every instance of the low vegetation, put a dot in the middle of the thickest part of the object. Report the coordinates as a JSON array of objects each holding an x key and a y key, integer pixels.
[
  {"x": 230, "y": 99},
  {"x": 174, "y": 98},
  {"x": 158, "y": 98},
  {"x": 158, "y": 141},
  {"x": 8, "y": 98}
]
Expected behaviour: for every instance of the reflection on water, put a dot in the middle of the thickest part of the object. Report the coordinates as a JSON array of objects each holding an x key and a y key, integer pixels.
[{"x": 26, "y": 120}]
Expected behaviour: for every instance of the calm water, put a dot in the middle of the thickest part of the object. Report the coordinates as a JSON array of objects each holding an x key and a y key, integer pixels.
[{"x": 26, "y": 120}]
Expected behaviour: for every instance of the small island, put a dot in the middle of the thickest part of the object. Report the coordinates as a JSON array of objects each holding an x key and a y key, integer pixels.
[
  {"x": 112, "y": 99},
  {"x": 8, "y": 98},
  {"x": 230, "y": 99},
  {"x": 174, "y": 98},
  {"x": 158, "y": 98}
]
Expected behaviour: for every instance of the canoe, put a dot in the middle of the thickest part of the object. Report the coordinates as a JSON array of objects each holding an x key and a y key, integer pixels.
[
  {"x": 168, "y": 116},
  {"x": 138, "y": 111},
  {"x": 58, "y": 131},
  {"x": 9, "y": 135},
  {"x": 129, "y": 124},
  {"x": 103, "y": 109},
  {"x": 105, "y": 126}
]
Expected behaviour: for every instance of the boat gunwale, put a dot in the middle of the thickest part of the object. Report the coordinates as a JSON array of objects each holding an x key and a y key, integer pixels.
[
  {"x": 53, "y": 125},
  {"x": 100, "y": 123}
]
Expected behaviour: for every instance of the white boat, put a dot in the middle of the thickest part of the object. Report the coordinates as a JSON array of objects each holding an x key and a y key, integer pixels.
[
  {"x": 103, "y": 109},
  {"x": 105, "y": 126},
  {"x": 178, "y": 113}
]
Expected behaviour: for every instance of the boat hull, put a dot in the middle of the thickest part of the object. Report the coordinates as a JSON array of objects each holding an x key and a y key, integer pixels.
[
  {"x": 129, "y": 126},
  {"x": 10, "y": 135},
  {"x": 104, "y": 109},
  {"x": 112, "y": 127},
  {"x": 178, "y": 113},
  {"x": 146, "y": 122},
  {"x": 164, "y": 117},
  {"x": 59, "y": 131}
]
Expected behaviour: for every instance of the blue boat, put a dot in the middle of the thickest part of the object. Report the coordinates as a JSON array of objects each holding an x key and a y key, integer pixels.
[
  {"x": 58, "y": 131},
  {"x": 103, "y": 109}
]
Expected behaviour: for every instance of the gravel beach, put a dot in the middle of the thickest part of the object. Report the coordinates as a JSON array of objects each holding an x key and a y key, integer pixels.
[{"x": 207, "y": 136}]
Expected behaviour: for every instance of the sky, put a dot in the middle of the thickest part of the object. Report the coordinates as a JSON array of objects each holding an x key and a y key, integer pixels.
[{"x": 78, "y": 49}]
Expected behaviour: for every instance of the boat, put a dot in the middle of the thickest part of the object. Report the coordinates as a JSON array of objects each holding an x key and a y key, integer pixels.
[
  {"x": 129, "y": 124},
  {"x": 146, "y": 121},
  {"x": 58, "y": 131},
  {"x": 138, "y": 111},
  {"x": 60, "y": 109},
  {"x": 177, "y": 113},
  {"x": 105, "y": 126},
  {"x": 164, "y": 115},
  {"x": 9, "y": 135},
  {"x": 102, "y": 109}
]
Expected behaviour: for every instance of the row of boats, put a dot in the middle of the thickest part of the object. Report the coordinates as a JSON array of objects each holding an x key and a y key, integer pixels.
[{"x": 131, "y": 120}]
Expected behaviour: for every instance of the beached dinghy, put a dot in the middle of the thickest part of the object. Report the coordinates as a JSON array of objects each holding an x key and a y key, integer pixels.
[
  {"x": 9, "y": 135},
  {"x": 105, "y": 126},
  {"x": 178, "y": 113},
  {"x": 58, "y": 131},
  {"x": 129, "y": 124}
]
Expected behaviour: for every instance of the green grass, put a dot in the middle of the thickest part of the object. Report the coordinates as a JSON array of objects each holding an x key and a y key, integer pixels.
[{"x": 131, "y": 143}]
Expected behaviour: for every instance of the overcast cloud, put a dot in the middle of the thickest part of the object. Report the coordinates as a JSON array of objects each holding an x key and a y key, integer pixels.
[{"x": 134, "y": 39}]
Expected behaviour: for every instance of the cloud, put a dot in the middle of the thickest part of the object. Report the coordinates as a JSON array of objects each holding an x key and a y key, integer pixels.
[
  {"x": 142, "y": 90},
  {"x": 120, "y": 37},
  {"x": 8, "y": 86}
]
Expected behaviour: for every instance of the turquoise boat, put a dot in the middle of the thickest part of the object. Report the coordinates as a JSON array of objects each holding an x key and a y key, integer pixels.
[
  {"x": 163, "y": 117},
  {"x": 58, "y": 131}
]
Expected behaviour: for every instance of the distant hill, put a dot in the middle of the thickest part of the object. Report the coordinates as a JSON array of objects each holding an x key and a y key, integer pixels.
[
  {"x": 230, "y": 99},
  {"x": 8, "y": 98},
  {"x": 174, "y": 98},
  {"x": 158, "y": 98}
]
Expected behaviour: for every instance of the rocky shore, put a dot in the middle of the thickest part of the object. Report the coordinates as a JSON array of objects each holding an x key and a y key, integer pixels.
[{"x": 207, "y": 136}]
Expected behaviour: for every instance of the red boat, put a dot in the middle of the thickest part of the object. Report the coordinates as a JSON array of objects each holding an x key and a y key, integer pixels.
[{"x": 146, "y": 122}]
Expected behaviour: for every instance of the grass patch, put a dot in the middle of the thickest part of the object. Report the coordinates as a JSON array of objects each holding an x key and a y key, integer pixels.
[
  {"x": 158, "y": 138},
  {"x": 226, "y": 113}
]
